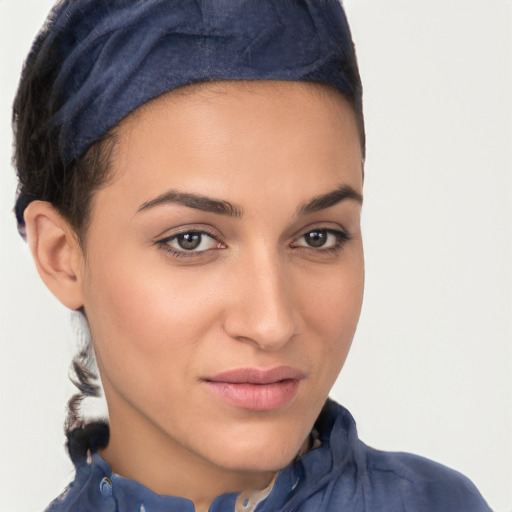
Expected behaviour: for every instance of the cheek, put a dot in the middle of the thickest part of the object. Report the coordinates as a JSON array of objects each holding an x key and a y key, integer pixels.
[
  {"x": 331, "y": 302},
  {"x": 145, "y": 313}
]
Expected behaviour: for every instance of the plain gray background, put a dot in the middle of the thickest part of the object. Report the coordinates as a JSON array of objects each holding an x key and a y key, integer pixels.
[{"x": 431, "y": 367}]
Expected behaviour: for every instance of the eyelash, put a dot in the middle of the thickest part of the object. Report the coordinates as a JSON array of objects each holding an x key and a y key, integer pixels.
[
  {"x": 341, "y": 239},
  {"x": 164, "y": 243}
]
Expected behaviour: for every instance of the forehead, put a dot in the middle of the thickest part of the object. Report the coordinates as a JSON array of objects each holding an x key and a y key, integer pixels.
[
  {"x": 248, "y": 134},
  {"x": 293, "y": 94}
]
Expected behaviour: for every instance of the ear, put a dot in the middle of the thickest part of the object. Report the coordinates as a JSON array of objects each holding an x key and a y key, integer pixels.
[{"x": 56, "y": 252}]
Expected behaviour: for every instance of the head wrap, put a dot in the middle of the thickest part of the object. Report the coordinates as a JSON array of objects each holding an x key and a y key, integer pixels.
[{"x": 112, "y": 56}]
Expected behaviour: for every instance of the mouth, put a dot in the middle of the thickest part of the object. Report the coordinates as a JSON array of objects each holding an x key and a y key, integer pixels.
[{"x": 257, "y": 390}]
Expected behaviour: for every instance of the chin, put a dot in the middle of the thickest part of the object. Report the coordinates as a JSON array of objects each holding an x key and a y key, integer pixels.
[
  {"x": 258, "y": 441},
  {"x": 260, "y": 450}
]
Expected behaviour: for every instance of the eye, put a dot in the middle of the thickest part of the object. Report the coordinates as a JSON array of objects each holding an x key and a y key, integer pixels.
[
  {"x": 189, "y": 242},
  {"x": 324, "y": 239}
]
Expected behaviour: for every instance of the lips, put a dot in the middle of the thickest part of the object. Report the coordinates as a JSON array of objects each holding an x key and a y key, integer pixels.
[{"x": 254, "y": 389}]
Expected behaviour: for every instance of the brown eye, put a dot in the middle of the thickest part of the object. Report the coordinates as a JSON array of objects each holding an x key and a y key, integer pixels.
[
  {"x": 316, "y": 238},
  {"x": 322, "y": 239},
  {"x": 189, "y": 241}
]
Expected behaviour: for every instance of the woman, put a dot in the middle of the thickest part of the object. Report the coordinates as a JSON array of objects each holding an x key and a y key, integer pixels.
[{"x": 210, "y": 236}]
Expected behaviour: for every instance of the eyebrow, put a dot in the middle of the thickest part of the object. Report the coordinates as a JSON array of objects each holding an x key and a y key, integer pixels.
[
  {"x": 196, "y": 201},
  {"x": 221, "y": 207},
  {"x": 325, "y": 201}
]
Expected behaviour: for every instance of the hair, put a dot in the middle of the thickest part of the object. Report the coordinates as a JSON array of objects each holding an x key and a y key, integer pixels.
[{"x": 44, "y": 175}]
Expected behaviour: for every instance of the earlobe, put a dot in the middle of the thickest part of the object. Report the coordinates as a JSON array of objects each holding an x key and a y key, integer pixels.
[{"x": 56, "y": 252}]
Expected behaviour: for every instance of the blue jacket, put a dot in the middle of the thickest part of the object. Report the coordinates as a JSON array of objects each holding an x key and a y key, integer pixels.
[{"x": 342, "y": 475}]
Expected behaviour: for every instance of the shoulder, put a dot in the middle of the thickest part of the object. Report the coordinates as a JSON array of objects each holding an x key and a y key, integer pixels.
[
  {"x": 362, "y": 478},
  {"x": 418, "y": 484}
]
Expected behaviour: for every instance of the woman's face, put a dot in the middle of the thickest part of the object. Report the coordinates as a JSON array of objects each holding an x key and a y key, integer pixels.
[{"x": 224, "y": 271}]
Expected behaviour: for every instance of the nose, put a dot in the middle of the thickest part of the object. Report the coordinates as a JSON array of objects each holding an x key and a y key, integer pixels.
[{"x": 262, "y": 310}]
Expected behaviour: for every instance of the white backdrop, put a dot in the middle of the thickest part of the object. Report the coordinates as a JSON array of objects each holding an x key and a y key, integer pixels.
[{"x": 431, "y": 367}]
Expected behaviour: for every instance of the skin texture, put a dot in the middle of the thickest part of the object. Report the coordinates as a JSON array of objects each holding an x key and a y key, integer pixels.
[{"x": 254, "y": 294}]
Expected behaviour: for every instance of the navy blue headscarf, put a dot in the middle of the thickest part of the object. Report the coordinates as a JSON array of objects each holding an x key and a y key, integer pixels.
[{"x": 114, "y": 55}]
